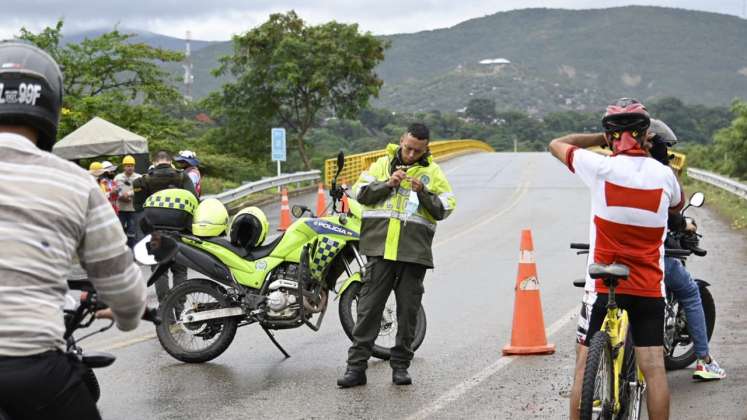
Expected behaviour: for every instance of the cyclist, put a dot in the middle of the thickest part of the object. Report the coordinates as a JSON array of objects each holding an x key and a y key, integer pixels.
[
  {"x": 630, "y": 198},
  {"x": 676, "y": 277},
  {"x": 52, "y": 211}
]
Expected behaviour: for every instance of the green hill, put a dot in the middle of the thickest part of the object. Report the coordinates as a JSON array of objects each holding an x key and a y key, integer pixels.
[{"x": 559, "y": 60}]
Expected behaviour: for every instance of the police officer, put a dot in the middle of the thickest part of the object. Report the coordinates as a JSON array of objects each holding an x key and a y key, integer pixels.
[
  {"x": 161, "y": 177},
  {"x": 403, "y": 194},
  {"x": 52, "y": 212}
]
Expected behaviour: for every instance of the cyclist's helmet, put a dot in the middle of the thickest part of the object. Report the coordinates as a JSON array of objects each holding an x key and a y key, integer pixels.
[
  {"x": 30, "y": 90},
  {"x": 187, "y": 156},
  {"x": 210, "y": 219},
  {"x": 249, "y": 228},
  {"x": 625, "y": 124}
]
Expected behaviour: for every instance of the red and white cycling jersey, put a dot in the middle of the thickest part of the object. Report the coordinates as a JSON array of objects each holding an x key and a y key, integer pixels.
[{"x": 630, "y": 199}]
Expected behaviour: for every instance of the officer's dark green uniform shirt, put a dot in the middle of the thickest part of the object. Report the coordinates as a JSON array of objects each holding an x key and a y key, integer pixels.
[{"x": 386, "y": 230}]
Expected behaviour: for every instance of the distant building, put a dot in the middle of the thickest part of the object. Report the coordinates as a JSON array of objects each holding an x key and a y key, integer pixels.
[{"x": 494, "y": 61}]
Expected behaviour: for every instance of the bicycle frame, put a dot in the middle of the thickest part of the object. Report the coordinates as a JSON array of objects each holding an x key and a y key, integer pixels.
[{"x": 616, "y": 325}]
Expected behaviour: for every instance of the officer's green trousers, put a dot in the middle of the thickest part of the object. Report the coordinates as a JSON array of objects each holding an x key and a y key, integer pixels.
[{"x": 381, "y": 277}]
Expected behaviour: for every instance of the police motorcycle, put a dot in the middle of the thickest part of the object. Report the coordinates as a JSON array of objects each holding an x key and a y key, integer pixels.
[
  {"x": 279, "y": 285},
  {"x": 679, "y": 349}
]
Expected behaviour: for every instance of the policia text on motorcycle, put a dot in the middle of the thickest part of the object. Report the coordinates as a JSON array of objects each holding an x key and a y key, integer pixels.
[
  {"x": 403, "y": 195},
  {"x": 162, "y": 176}
]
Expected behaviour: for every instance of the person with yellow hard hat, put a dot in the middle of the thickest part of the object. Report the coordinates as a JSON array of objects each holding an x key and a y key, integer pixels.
[{"x": 127, "y": 214}]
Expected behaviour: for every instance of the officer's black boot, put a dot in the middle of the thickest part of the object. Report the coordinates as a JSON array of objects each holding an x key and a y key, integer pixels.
[
  {"x": 351, "y": 378},
  {"x": 401, "y": 377}
]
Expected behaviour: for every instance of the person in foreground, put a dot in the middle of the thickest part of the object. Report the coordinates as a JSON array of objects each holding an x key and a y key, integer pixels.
[
  {"x": 403, "y": 194},
  {"x": 631, "y": 196},
  {"x": 51, "y": 212}
]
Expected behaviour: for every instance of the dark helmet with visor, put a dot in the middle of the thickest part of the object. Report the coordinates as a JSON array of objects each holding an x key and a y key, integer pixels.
[{"x": 30, "y": 90}]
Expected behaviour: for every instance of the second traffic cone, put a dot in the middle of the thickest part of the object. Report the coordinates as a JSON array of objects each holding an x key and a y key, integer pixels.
[
  {"x": 321, "y": 203},
  {"x": 285, "y": 216},
  {"x": 528, "y": 330}
]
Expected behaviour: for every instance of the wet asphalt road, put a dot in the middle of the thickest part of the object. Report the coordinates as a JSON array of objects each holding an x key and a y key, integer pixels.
[{"x": 459, "y": 371}]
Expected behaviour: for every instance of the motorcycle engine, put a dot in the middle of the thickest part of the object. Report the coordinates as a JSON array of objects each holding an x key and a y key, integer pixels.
[{"x": 281, "y": 299}]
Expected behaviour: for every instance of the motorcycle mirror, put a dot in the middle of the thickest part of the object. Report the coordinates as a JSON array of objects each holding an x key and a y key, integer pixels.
[
  {"x": 298, "y": 210},
  {"x": 697, "y": 199},
  {"x": 141, "y": 252},
  {"x": 340, "y": 161}
]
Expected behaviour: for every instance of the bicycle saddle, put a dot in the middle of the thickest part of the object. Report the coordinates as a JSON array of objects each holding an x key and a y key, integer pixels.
[{"x": 612, "y": 271}]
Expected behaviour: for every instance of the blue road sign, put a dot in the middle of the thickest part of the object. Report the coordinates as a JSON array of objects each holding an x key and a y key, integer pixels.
[{"x": 278, "y": 144}]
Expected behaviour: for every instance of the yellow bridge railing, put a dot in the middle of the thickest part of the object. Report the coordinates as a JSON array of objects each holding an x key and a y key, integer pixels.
[{"x": 440, "y": 150}]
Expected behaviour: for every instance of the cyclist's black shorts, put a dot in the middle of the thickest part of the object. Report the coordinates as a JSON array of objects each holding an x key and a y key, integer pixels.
[
  {"x": 646, "y": 315},
  {"x": 45, "y": 386}
]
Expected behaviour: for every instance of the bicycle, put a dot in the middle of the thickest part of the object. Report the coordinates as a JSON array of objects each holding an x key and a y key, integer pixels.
[{"x": 613, "y": 383}]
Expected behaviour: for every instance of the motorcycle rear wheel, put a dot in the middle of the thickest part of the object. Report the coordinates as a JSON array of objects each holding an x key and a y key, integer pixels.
[
  {"x": 348, "y": 317},
  {"x": 686, "y": 358},
  {"x": 217, "y": 334}
]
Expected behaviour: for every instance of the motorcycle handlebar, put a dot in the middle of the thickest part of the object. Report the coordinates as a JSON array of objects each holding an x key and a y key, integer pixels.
[{"x": 676, "y": 253}]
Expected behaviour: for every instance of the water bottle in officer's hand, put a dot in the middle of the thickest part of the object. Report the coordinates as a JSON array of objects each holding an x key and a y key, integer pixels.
[{"x": 412, "y": 205}]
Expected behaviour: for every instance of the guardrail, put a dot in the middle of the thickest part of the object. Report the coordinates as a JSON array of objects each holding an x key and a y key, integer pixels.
[
  {"x": 440, "y": 150},
  {"x": 717, "y": 180},
  {"x": 265, "y": 184}
]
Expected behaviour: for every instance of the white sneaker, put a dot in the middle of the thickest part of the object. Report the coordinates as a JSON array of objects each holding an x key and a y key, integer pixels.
[{"x": 708, "y": 371}]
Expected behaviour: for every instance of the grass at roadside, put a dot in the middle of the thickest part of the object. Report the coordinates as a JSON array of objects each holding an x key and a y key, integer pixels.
[{"x": 727, "y": 204}]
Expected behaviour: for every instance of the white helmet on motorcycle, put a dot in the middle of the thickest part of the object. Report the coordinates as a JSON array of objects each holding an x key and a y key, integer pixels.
[
  {"x": 662, "y": 132},
  {"x": 249, "y": 228}
]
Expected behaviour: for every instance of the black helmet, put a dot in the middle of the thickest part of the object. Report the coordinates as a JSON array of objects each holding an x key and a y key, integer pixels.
[
  {"x": 662, "y": 132},
  {"x": 30, "y": 90}
]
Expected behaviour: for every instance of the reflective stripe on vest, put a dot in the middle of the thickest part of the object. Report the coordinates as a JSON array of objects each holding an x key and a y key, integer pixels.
[{"x": 393, "y": 214}]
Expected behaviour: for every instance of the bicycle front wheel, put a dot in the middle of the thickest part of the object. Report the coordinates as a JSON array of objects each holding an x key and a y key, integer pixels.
[{"x": 597, "y": 399}]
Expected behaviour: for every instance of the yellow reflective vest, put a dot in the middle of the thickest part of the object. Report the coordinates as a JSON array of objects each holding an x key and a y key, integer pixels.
[{"x": 387, "y": 231}]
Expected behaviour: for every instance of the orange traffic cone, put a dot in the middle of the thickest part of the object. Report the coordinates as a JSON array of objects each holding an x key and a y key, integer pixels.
[
  {"x": 345, "y": 204},
  {"x": 528, "y": 330},
  {"x": 321, "y": 203},
  {"x": 285, "y": 216}
]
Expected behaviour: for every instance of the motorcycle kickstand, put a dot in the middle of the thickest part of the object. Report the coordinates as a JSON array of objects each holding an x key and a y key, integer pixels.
[{"x": 275, "y": 342}]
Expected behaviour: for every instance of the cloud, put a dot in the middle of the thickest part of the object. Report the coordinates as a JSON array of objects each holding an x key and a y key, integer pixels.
[{"x": 219, "y": 19}]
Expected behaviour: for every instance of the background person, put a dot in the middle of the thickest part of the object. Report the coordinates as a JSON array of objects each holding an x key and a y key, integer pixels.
[
  {"x": 162, "y": 176},
  {"x": 187, "y": 161},
  {"x": 127, "y": 215}
]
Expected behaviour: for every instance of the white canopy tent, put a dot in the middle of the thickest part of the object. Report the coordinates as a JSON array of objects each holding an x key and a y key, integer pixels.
[{"x": 99, "y": 137}]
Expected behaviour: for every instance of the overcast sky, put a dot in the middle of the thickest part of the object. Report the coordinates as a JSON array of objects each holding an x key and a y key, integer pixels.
[{"x": 219, "y": 19}]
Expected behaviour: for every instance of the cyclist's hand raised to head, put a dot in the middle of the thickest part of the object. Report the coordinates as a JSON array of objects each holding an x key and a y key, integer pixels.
[{"x": 560, "y": 147}]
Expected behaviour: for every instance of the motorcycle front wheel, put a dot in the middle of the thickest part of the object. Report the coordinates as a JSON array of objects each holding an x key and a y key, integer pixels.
[
  {"x": 195, "y": 342},
  {"x": 382, "y": 348},
  {"x": 682, "y": 354}
]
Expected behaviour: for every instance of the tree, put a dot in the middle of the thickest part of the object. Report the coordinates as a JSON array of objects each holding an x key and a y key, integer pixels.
[
  {"x": 111, "y": 77},
  {"x": 295, "y": 74},
  {"x": 481, "y": 110},
  {"x": 108, "y": 63},
  {"x": 731, "y": 143}
]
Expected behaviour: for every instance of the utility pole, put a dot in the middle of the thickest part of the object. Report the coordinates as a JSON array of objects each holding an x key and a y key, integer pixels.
[{"x": 189, "y": 78}]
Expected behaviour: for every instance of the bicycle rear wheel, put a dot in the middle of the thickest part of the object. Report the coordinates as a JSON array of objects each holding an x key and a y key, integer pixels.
[{"x": 597, "y": 399}]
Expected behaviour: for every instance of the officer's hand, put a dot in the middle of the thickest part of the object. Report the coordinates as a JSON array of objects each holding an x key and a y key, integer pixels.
[
  {"x": 690, "y": 226},
  {"x": 396, "y": 178},
  {"x": 417, "y": 186}
]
